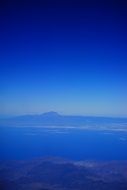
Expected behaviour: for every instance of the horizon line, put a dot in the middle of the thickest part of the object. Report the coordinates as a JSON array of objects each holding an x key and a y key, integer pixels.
[{"x": 3, "y": 116}]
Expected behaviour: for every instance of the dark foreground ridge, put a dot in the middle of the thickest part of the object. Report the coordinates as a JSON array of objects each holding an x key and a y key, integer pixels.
[{"x": 60, "y": 174}]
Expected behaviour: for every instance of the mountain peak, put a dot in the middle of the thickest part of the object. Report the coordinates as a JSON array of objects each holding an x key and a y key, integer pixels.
[{"x": 51, "y": 114}]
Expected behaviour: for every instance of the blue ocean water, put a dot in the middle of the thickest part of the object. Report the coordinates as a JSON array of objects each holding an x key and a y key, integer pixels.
[{"x": 71, "y": 143}]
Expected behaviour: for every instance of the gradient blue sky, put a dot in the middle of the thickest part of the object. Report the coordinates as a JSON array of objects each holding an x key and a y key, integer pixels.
[{"x": 65, "y": 56}]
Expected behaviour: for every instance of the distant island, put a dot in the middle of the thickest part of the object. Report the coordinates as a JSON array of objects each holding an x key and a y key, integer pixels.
[{"x": 54, "y": 119}]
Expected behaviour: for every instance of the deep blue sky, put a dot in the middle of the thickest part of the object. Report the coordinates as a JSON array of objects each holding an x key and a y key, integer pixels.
[{"x": 66, "y": 56}]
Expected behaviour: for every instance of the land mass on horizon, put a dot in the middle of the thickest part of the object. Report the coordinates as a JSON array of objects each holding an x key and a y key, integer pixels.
[{"x": 54, "y": 119}]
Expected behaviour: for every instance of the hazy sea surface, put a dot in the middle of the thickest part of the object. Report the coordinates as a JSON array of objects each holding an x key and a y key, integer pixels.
[{"x": 71, "y": 143}]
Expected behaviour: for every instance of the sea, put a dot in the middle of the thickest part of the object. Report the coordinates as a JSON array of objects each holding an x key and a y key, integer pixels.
[{"x": 19, "y": 143}]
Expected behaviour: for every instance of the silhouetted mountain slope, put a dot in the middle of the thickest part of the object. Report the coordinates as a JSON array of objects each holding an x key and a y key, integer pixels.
[{"x": 59, "y": 174}]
